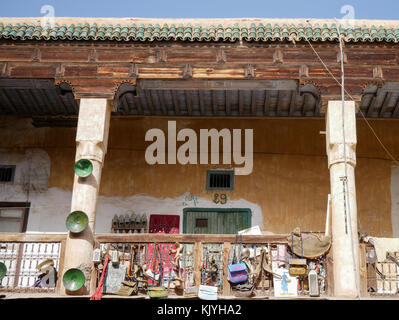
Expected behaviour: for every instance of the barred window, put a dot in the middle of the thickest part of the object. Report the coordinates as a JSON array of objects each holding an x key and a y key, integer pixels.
[
  {"x": 7, "y": 173},
  {"x": 220, "y": 180}
]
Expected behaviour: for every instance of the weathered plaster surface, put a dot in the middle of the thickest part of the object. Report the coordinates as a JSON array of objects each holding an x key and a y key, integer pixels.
[
  {"x": 290, "y": 180},
  {"x": 50, "y": 206}
]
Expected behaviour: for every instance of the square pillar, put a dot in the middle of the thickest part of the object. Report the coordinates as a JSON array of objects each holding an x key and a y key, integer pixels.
[
  {"x": 341, "y": 152},
  {"x": 91, "y": 144}
]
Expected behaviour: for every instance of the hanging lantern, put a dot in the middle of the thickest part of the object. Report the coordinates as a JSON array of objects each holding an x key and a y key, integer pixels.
[
  {"x": 83, "y": 168},
  {"x": 77, "y": 221},
  {"x": 73, "y": 279}
]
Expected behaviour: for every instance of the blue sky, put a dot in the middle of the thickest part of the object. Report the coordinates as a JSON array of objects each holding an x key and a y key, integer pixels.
[{"x": 363, "y": 9}]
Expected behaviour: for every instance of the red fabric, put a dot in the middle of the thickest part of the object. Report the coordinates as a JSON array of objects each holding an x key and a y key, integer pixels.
[
  {"x": 97, "y": 294},
  {"x": 161, "y": 223}
]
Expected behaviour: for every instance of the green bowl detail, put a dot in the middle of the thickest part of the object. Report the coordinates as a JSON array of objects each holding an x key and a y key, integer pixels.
[
  {"x": 83, "y": 168},
  {"x": 77, "y": 221},
  {"x": 3, "y": 270},
  {"x": 73, "y": 279}
]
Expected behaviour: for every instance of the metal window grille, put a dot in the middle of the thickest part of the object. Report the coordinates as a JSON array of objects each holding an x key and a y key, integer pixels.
[
  {"x": 7, "y": 173},
  {"x": 220, "y": 180}
]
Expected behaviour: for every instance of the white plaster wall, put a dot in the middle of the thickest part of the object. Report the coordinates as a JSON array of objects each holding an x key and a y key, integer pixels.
[
  {"x": 51, "y": 206},
  {"x": 395, "y": 201}
]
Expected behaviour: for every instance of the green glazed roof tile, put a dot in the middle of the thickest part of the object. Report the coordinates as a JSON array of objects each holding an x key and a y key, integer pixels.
[{"x": 229, "y": 32}]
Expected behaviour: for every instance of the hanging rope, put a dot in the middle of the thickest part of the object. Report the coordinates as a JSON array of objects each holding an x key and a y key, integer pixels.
[{"x": 97, "y": 294}]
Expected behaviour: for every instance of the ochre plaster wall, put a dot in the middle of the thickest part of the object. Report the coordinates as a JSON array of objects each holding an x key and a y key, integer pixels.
[{"x": 290, "y": 178}]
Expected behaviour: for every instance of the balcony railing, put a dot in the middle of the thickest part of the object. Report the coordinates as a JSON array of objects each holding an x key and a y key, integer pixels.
[{"x": 23, "y": 252}]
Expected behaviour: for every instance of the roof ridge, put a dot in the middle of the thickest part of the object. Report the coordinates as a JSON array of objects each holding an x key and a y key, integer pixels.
[{"x": 227, "y": 30}]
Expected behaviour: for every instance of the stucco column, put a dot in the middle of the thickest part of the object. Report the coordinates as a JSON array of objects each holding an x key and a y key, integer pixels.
[
  {"x": 91, "y": 144},
  {"x": 345, "y": 244}
]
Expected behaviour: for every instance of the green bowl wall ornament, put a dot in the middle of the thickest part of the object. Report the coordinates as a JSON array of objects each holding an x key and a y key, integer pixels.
[
  {"x": 83, "y": 168},
  {"x": 73, "y": 279},
  {"x": 3, "y": 270},
  {"x": 77, "y": 221}
]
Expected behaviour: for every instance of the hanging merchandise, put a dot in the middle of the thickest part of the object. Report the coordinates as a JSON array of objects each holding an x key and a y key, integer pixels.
[
  {"x": 177, "y": 251},
  {"x": 73, "y": 279},
  {"x": 297, "y": 267},
  {"x": 116, "y": 273},
  {"x": 308, "y": 245},
  {"x": 190, "y": 290},
  {"x": 157, "y": 291},
  {"x": 128, "y": 288},
  {"x": 284, "y": 285},
  {"x": 83, "y": 168},
  {"x": 163, "y": 224},
  {"x": 246, "y": 289},
  {"x": 48, "y": 274},
  {"x": 153, "y": 270},
  {"x": 313, "y": 284},
  {"x": 208, "y": 292},
  {"x": 77, "y": 221},
  {"x": 99, "y": 290},
  {"x": 237, "y": 271},
  {"x": 3, "y": 270}
]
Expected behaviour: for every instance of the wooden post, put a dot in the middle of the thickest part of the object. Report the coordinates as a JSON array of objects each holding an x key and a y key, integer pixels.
[
  {"x": 226, "y": 283},
  {"x": 91, "y": 140},
  {"x": 363, "y": 270},
  {"x": 330, "y": 274},
  {"x": 60, "y": 266},
  {"x": 197, "y": 263}
]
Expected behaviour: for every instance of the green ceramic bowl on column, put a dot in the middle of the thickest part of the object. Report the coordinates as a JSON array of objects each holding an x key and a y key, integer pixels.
[
  {"x": 83, "y": 168},
  {"x": 73, "y": 279},
  {"x": 77, "y": 221},
  {"x": 3, "y": 270}
]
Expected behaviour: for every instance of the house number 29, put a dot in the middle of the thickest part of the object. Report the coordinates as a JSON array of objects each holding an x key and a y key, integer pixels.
[{"x": 219, "y": 198}]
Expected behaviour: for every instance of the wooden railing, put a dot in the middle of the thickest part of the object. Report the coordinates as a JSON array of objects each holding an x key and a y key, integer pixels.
[
  {"x": 22, "y": 252},
  {"x": 197, "y": 241},
  {"x": 223, "y": 241}
]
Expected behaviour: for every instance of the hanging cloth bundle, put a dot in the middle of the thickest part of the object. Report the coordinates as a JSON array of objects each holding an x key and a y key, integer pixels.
[
  {"x": 237, "y": 271},
  {"x": 298, "y": 267}
]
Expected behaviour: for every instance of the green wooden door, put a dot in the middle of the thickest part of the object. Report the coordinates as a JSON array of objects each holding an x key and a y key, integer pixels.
[{"x": 215, "y": 221}]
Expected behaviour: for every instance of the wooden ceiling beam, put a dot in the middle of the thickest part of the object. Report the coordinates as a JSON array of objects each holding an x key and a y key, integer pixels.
[
  {"x": 253, "y": 102},
  {"x": 8, "y": 103},
  {"x": 266, "y": 103},
  {"x": 395, "y": 112},
  {"x": 202, "y": 102},
  {"x": 240, "y": 103},
  {"x": 189, "y": 102},
  {"x": 175, "y": 102},
  {"x": 228, "y": 102},
  {"x": 292, "y": 106},
  {"x": 214, "y": 103},
  {"x": 385, "y": 104},
  {"x": 147, "y": 94}
]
